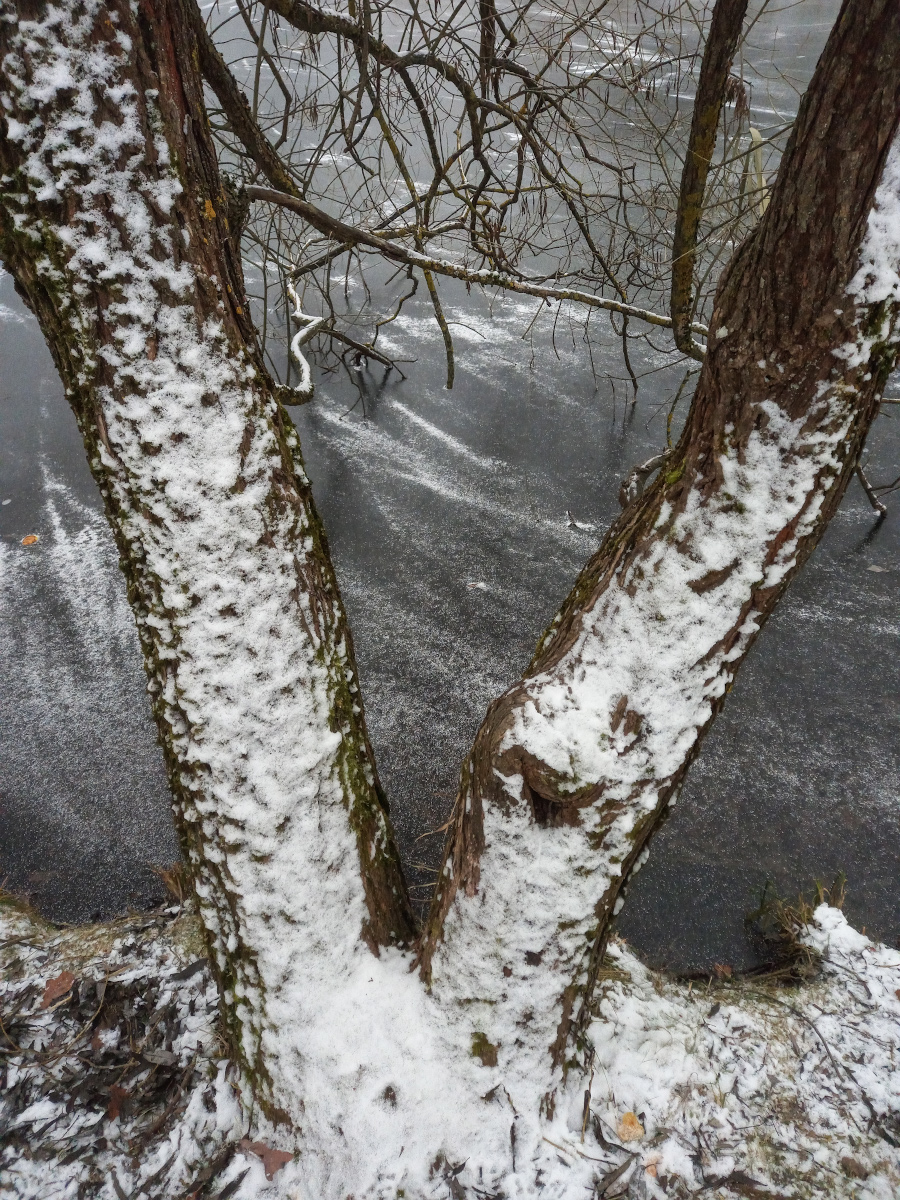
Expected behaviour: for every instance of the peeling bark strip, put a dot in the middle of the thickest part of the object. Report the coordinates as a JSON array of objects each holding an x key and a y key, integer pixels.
[
  {"x": 574, "y": 766},
  {"x": 112, "y": 220}
]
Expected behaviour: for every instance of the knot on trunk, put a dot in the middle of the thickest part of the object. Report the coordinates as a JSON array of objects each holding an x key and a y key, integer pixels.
[{"x": 550, "y": 795}]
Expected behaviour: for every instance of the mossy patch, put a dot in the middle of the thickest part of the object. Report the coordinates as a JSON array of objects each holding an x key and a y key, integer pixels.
[{"x": 483, "y": 1049}]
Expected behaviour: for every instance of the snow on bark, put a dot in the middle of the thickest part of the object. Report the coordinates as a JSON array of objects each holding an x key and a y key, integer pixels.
[
  {"x": 250, "y": 668},
  {"x": 614, "y": 721},
  {"x": 575, "y": 764}
]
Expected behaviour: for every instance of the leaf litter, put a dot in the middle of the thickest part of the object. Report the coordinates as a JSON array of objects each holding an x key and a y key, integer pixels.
[{"x": 771, "y": 1087}]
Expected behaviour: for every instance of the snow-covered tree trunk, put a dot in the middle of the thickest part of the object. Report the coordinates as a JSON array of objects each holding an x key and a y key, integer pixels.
[
  {"x": 574, "y": 766},
  {"x": 115, "y": 224}
]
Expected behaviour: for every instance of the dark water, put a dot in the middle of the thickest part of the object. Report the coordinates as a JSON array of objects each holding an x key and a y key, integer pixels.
[
  {"x": 426, "y": 493},
  {"x": 447, "y": 514},
  {"x": 84, "y": 803}
]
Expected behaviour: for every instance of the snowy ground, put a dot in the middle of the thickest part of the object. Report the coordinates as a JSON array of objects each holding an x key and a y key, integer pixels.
[{"x": 114, "y": 1081}]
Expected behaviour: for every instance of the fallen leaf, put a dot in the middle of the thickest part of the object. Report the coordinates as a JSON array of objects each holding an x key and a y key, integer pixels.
[
  {"x": 723, "y": 970},
  {"x": 630, "y": 1129},
  {"x": 117, "y": 1096},
  {"x": 272, "y": 1160},
  {"x": 30, "y": 539},
  {"x": 191, "y": 968},
  {"x": 651, "y": 1170},
  {"x": 57, "y": 987},
  {"x": 853, "y": 1169},
  {"x": 613, "y": 1176},
  {"x": 162, "y": 1058}
]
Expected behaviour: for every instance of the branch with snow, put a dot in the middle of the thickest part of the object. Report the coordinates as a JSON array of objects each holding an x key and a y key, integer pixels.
[
  {"x": 308, "y": 328},
  {"x": 352, "y": 235}
]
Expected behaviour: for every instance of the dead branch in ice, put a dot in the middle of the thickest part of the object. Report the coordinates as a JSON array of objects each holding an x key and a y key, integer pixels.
[
  {"x": 634, "y": 483},
  {"x": 871, "y": 493}
]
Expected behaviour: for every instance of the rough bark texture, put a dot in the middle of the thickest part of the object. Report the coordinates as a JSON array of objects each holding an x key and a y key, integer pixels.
[
  {"x": 113, "y": 223},
  {"x": 574, "y": 766},
  {"x": 112, "y": 218},
  {"x": 721, "y": 43}
]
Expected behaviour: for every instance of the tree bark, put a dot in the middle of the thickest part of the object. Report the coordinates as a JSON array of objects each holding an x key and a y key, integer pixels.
[
  {"x": 574, "y": 765},
  {"x": 718, "y": 54},
  {"x": 113, "y": 223},
  {"x": 112, "y": 219}
]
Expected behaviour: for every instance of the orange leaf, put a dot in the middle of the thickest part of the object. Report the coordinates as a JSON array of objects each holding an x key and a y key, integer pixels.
[
  {"x": 117, "y": 1096},
  {"x": 273, "y": 1160},
  {"x": 30, "y": 539},
  {"x": 630, "y": 1129},
  {"x": 57, "y": 987}
]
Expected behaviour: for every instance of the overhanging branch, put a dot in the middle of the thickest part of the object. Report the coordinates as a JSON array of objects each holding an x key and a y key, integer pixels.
[
  {"x": 351, "y": 235},
  {"x": 286, "y": 193}
]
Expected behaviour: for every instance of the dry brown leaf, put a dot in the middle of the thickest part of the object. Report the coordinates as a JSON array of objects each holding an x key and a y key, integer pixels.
[
  {"x": 272, "y": 1160},
  {"x": 57, "y": 987},
  {"x": 117, "y": 1096},
  {"x": 30, "y": 539},
  {"x": 853, "y": 1169},
  {"x": 630, "y": 1129}
]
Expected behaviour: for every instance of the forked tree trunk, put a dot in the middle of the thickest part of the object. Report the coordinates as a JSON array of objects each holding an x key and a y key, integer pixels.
[
  {"x": 573, "y": 767},
  {"x": 112, "y": 219},
  {"x": 114, "y": 223}
]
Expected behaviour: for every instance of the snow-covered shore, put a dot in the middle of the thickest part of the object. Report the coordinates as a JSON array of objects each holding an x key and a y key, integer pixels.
[{"x": 115, "y": 1081}]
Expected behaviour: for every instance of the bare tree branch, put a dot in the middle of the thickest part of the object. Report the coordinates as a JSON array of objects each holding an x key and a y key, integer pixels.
[{"x": 352, "y": 236}]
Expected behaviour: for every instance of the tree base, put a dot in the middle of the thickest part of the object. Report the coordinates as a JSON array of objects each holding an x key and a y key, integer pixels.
[{"x": 116, "y": 1084}]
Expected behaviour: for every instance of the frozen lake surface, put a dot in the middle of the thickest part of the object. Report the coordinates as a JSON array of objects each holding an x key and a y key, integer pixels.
[{"x": 447, "y": 514}]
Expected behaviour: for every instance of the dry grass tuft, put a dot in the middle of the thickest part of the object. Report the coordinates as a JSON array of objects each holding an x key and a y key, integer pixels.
[{"x": 778, "y": 925}]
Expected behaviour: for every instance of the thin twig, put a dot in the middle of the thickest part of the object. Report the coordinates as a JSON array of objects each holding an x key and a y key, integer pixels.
[{"x": 870, "y": 492}]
